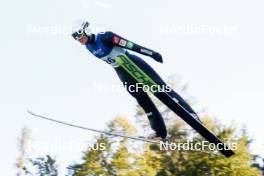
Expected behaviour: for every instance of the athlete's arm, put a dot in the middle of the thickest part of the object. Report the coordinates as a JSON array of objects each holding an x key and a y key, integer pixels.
[{"x": 112, "y": 39}]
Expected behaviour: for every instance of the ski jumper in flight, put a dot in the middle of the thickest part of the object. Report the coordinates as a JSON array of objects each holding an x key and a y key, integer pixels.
[{"x": 106, "y": 46}]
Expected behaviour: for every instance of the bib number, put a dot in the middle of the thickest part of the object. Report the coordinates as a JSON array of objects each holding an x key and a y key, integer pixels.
[{"x": 110, "y": 60}]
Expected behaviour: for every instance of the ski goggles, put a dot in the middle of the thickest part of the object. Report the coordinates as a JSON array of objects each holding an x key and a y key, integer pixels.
[
  {"x": 78, "y": 34},
  {"x": 81, "y": 31}
]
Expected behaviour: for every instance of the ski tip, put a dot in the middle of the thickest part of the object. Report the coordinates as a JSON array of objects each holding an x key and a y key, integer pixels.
[
  {"x": 28, "y": 111},
  {"x": 32, "y": 113}
]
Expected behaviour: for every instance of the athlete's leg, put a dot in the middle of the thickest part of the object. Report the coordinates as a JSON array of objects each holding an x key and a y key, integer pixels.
[
  {"x": 155, "y": 76},
  {"x": 156, "y": 121},
  {"x": 154, "y": 116}
]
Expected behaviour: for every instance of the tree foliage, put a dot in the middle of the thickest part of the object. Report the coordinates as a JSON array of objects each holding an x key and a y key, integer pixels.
[
  {"x": 122, "y": 158},
  {"x": 23, "y": 158},
  {"x": 45, "y": 166},
  {"x": 126, "y": 157}
]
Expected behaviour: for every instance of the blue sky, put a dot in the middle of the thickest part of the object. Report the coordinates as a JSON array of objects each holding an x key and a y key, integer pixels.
[{"x": 52, "y": 75}]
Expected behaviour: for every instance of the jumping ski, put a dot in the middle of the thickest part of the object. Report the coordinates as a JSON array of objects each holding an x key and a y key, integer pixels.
[{"x": 138, "y": 138}]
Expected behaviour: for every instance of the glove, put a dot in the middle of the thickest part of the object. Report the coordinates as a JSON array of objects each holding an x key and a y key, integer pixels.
[{"x": 157, "y": 57}]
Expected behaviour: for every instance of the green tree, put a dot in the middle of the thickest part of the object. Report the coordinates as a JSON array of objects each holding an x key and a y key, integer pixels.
[
  {"x": 22, "y": 160},
  {"x": 122, "y": 157},
  {"x": 114, "y": 159},
  {"x": 42, "y": 166},
  {"x": 193, "y": 163},
  {"x": 45, "y": 166}
]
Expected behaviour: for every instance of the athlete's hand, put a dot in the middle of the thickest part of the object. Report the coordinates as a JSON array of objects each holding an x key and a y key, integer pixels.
[{"x": 157, "y": 57}]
